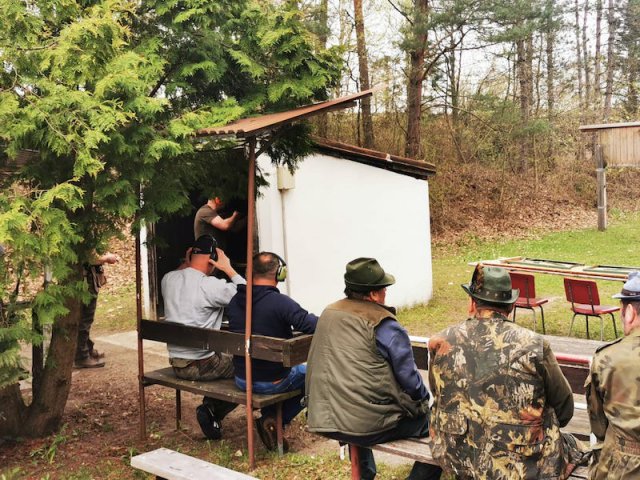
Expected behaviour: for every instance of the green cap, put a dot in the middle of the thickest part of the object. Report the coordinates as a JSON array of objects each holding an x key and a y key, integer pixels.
[
  {"x": 491, "y": 284},
  {"x": 366, "y": 274}
]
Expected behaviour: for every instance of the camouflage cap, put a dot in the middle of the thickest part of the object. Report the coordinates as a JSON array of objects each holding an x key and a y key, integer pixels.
[
  {"x": 366, "y": 274},
  {"x": 631, "y": 289},
  {"x": 491, "y": 284}
]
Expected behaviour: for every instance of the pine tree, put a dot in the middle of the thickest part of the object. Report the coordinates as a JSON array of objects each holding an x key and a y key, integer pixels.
[{"x": 109, "y": 93}]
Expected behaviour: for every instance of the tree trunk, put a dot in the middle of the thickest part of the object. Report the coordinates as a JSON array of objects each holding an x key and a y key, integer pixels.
[
  {"x": 579, "y": 55},
  {"x": 44, "y": 415},
  {"x": 550, "y": 46},
  {"x": 598, "y": 57},
  {"x": 611, "y": 25},
  {"x": 524, "y": 58},
  {"x": 585, "y": 54},
  {"x": 363, "y": 67},
  {"x": 323, "y": 22},
  {"x": 416, "y": 77}
]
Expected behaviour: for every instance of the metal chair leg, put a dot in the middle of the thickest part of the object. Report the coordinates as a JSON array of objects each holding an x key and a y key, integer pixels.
[
  {"x": 587, "y": 320},
  {"x": 571, "y": 326},
  {"x": 601, "y": 328},
  {"x": 544, "y": 330},
  {"x": 613, "y": 320}
]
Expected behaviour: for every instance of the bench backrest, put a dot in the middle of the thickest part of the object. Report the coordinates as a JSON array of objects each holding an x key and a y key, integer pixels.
[
  {"x": 575, "y": 371},
  {"x": 289, "y": 352}
]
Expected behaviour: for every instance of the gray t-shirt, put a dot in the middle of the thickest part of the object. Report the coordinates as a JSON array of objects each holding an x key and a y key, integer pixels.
[
  {"x": 202, "y": 225},
  {"x": 192, "y": 298}
]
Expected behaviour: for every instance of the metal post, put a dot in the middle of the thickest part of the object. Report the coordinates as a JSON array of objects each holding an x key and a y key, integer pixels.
[
  {"x": 602, "y": 187},
  {"x": 251, "y": 200}
]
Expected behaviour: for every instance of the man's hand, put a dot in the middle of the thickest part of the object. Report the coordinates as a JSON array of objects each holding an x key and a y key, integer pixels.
[
  {"x": 108, "y": 257},
  {"x": 223, "y": 263}
]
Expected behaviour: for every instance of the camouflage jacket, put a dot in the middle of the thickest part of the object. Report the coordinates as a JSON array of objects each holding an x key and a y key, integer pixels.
[
  {"x": 499, "y": 400},
  {"x": 613, "y": 399}
]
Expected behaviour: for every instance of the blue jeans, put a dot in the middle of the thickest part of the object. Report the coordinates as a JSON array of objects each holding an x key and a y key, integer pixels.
[{"x": 293, "y": 381}]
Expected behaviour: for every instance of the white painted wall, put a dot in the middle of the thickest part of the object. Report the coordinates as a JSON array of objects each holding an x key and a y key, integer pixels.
[{"x": 340, "y": 210}]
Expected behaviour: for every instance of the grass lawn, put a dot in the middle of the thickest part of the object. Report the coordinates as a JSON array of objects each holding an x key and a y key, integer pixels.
[{"x": 618, "y": 245}]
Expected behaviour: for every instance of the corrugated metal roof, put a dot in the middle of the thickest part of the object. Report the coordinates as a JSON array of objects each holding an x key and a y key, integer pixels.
[
  {"x": 602, "y": 126},
  {"x": 394, "y": 163},
  {"x": 248, "y": 127}
]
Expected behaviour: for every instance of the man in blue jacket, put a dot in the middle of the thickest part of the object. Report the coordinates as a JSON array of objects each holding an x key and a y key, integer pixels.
[{"x": 274, "y": 315}]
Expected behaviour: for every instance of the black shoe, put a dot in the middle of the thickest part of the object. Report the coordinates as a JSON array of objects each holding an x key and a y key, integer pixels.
[
  {"x": 268, "y": 432},
  {"x": 208, "y": 423}
]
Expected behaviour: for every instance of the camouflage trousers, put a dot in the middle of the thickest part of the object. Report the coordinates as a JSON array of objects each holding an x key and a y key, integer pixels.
[{"x": 218, "y": 365}]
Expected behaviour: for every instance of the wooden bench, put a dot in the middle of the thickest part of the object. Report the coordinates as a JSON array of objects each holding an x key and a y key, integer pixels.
[
  {"x": 289, "y": 352},
  {"x": 167, "y": 464},
  {"x": 575, "y": 368}
]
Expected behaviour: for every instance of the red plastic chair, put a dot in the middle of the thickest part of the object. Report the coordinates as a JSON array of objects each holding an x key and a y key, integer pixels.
[
  {"x": 584, "y": 298},
  {"x": 527, "y": 298}
]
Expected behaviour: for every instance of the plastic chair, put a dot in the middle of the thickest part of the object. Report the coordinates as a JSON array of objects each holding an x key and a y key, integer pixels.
[
  {"x": 527, "y": 298},
  {"x": 584, "y": 298}
]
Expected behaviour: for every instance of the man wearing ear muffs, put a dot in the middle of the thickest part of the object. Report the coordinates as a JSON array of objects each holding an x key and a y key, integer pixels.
[
  {"x": 274, "y": 315},
  {"x": 194, "y": 298},
  {"x": 613, "y": 394},
  {"x": 500, "y": 397}
]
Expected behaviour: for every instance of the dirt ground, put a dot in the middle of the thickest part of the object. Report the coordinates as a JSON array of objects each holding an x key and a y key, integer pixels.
[
  {"x": 101, "y": 424},
  {"x": 101, "y": 427}
]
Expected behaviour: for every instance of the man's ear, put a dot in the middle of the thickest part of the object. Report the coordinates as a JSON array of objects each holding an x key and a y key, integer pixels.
[
  {"x": 187, "y": 255},
  {"x": 472, "y": 306}
]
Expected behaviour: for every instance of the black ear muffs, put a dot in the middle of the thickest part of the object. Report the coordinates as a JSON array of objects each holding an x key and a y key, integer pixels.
[{"x": 281, "y": 272}]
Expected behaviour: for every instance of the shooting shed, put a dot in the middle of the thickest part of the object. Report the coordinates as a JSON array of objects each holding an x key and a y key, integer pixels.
[
  {"x": 615, "y": 145},
  {"x": 345, "y": 202}
]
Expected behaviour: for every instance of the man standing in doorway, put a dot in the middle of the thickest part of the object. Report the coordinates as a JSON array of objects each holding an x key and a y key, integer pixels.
[
  {"x": 209, "y": 222},
  {"x": 363, "y": 386},
  {"x": 613, "y": 394}
]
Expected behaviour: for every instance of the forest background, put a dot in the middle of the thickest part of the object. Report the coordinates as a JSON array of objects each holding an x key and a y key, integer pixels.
[
  {"x": 492, "y": 93},
  {"x": 110, "y": 92}
]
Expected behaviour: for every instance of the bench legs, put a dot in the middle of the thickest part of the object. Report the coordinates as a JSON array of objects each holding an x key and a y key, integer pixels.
[{"x": 178, "y": 409}]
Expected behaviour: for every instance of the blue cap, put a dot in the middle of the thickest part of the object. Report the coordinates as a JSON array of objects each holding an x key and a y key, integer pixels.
[{"x": 631, "y": 289}]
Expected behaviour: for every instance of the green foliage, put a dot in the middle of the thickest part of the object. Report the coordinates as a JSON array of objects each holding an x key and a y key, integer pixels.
[
  {"x": 615, "y": 246},
  {"x": 110, "y": 94}
]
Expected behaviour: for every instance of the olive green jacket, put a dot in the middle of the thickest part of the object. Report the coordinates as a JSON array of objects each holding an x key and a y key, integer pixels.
[
  {"x": 350, "y": 387},
  {"x": 499, "y": 400},
  {"x": 613, "y": 399}
]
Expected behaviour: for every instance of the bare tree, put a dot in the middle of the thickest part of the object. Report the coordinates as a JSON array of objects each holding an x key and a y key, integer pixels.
[
  {"x": 598, "y": 57},
  {"x": 417, "y": 53},
  {"x": 611, "y": 26},
  {"x": 578, "y": 55},
  {"x": 363, "y": 66},
  {"x": 550, "y": 48},
  {"x": 585, "y": 55}
]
